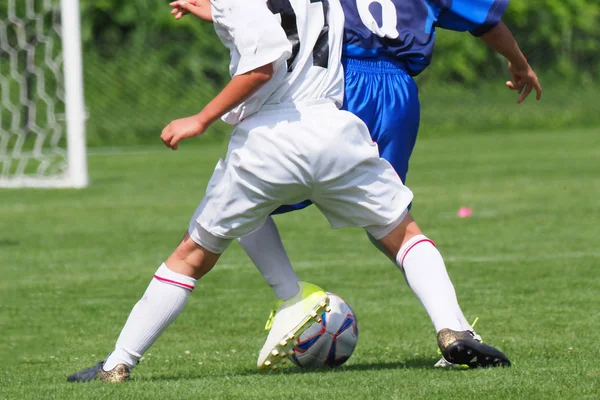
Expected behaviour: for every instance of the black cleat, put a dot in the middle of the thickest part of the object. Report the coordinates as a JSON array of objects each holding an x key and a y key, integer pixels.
[
  {"x": 118, "y": 374},
  {"x": 461, "y": 347}
]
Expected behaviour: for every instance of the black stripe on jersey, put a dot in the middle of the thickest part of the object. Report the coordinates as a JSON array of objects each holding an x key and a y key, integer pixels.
[
  {"x": 289, "y": 25},
  {"x": 321, "y": 50}
]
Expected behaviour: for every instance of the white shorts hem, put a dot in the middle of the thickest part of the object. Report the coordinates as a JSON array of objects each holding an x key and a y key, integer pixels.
[
  {"x": 379, "y": 232},
  {"x": 210, "y": 242}
]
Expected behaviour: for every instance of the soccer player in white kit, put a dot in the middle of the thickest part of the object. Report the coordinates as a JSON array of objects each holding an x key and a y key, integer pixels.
[
  {"x": 418, "y": 258},
  {"x": 290, "y": 143}
]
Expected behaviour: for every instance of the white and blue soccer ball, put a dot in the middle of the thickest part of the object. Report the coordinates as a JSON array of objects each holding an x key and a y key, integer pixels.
[{"x": 331, "y": 342}]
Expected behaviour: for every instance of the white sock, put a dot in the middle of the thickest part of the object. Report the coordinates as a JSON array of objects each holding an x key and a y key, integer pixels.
[
  {"x": 162, "y": 302},
  {"x": 427, "y": 276},
  {"x": 266, "y": 251}
]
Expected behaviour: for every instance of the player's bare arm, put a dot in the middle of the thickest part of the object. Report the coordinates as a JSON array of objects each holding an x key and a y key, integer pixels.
[
  {"x": 239, "y": 89},
  {"x": 199, "y": 8},
  {"x": 501, "y": 40}
]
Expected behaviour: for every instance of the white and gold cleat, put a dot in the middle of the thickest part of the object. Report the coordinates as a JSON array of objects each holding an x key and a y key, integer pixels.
[
  {"x": 465, "y": 349},
  {"x": 291, "y": 318},
  {"x": 443, "y": 363}
]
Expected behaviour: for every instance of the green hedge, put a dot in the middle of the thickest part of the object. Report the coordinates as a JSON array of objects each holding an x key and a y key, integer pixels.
[
  {"x": 562, "y": 36},
  {"x": 143, "y": 69},
  {"x": 559, "y": 37}
]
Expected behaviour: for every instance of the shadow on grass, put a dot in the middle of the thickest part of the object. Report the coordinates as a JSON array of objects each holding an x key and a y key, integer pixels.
[{"x": 417, "y": 363}]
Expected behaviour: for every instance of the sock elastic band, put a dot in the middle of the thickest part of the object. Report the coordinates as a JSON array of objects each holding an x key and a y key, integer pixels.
[
  {"x": 412, "y": 242},
  {"x": 165, "y": 275}
]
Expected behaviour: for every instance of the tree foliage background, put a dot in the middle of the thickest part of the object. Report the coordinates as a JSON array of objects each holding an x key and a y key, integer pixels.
[
  {"x": 562, "y": 36},
  {"x": 143, "y": 68}
]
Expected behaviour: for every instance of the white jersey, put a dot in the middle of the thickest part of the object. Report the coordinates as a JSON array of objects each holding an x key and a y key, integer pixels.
[{"x": 303, "y": 40}]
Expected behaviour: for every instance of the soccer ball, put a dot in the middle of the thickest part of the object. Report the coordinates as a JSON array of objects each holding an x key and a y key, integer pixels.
[{"x": 328, "y": 343}]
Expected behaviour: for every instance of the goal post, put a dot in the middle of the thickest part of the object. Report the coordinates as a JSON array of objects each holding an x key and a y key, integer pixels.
[
  {"x": 75, "y": 109},
  {"x": 42, "y": 111}
]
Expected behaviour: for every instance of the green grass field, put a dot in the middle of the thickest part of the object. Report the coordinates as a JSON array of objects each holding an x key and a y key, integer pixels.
[{"x": 73, "y": 263}]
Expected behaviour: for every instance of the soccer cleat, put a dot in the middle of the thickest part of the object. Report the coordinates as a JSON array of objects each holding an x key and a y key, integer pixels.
[
  {"x": 442, "y": 363},
  {"x": 464, "y": 348},
  {"x": 289, "y": 321},
  {"x": 118, "y": 374}
]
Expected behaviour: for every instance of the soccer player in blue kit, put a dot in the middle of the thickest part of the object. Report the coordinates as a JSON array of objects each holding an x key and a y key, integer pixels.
[{"x": 386, "y": 43}]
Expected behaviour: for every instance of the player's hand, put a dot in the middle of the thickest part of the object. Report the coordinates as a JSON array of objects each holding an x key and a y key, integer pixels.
[
  {"x": 199, "y": 8},
  {"x": 524, "y": 81},
  {"x": 180, "y": 129}
]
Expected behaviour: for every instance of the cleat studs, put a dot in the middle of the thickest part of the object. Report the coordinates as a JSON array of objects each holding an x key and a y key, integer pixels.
[
  {"x": 291, "y": 336},
  {"x": 323, "y": 303},
  {"x": 275, "y": 353},
  {"x": 267, "y": 363},
  {"x": 283, "y": 343},
  {"x": 275, "y": 368},
  {"x": 313, "y": 314},
  {"x": 283, "y": 361},
  {"x": 328, "y": 309},
  {"x": 291, "y": 353},
  {"x": 319, "y": 320}
]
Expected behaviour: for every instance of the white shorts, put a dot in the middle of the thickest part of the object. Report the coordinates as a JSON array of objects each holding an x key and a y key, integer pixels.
[{"x": 288, "y": 155}]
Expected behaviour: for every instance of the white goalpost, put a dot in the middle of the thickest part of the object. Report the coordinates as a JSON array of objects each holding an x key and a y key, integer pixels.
[{"x": 42, "y": 112}]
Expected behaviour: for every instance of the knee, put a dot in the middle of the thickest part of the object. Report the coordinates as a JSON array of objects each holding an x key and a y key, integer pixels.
[
  {"x": 407, "y": 229},
  {"x": 191, "y": 259}
]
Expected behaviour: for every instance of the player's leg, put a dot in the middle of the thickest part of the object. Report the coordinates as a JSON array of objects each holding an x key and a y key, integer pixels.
[
  {"x": 235, "y": 204},
  {"x": 298, "y": 303},
  {"x": 161, "y": 304},
  {"x": 371, "y": 195},
  {"x": 378, "y": 205},
  {"x": 386, "y": 98},
  {"x": 394, "y": 127},
  {"x": 426, "y": 274},
  {"x": 265, "y": 249},
  {"x": 173, "y": 282}
]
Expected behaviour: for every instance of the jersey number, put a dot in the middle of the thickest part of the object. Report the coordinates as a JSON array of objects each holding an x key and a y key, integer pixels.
[
  {"x": 389, "y": 18},
  {"x": 289, "y": 24}
]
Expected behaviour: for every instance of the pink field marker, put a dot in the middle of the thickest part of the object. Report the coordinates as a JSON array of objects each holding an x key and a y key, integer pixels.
[{"x": 465, "y": 212}]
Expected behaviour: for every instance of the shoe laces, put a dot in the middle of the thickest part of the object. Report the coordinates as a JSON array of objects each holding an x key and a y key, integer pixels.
[
  {"x": 472, "y": 332},
  {"x": 269, "y": 323},
  {"x": 475, "y": 336},
  {"x": 271, "y": 318}
]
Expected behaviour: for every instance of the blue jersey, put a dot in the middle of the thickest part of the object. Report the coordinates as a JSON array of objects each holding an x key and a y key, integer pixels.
[
  {"x": 387, "y": 41},
  {"x": 405, "y": 29}
]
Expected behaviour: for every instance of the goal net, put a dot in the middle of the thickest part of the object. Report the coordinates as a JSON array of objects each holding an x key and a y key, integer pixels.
[{"x": 42, "y": 134}]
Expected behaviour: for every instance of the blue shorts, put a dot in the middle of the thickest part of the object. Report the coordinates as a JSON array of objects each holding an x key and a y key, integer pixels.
[{"x": 386, "y": 98}]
